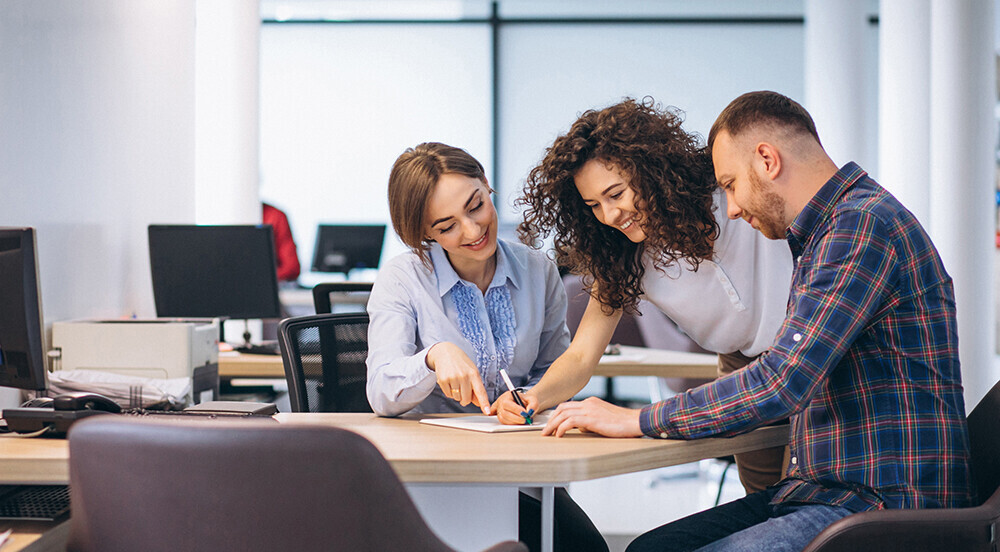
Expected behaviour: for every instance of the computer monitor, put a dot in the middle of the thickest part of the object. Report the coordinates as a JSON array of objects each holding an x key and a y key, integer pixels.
[
  {"x": 342, "y": 248},
  {"x": 213, "y": 271},
  {"x": 22, "y": 347}
]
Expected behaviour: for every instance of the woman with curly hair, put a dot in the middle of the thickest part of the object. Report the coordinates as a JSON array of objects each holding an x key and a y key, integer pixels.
[{"x": 632, "y": 201}]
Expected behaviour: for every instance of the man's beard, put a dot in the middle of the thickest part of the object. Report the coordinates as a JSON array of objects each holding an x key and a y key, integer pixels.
[{"x": 768, "y": 208}]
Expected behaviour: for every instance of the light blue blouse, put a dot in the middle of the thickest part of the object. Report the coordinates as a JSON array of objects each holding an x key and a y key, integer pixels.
[{"x": 518, "y": 324}]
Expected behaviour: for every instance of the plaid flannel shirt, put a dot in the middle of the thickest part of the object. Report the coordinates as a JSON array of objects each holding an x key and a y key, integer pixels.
[{"x": 865, "y": 365}]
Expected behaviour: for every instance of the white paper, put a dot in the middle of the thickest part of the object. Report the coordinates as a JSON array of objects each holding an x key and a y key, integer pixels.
[
  {"x": 487, "y": 424},
  {"x": 121, "y": 388}
]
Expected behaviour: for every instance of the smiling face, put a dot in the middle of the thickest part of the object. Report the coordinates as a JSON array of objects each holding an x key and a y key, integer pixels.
[
  {"x": 463, "y": 220},
  {"x": 749, "y": 195},
  {"x": 605, "y": 190}
]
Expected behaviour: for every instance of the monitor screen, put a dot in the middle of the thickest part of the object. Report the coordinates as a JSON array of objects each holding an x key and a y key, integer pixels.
[
  {"x": 341, "y": 248},
  {"x": 22, "y": 348},
  {"x": 213, "y": 271}
]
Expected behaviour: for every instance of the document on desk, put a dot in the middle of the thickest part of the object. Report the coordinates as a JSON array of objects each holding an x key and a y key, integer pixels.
[
  {"x": 622, "y": 358},
  {"x": 486, "y": 424}
]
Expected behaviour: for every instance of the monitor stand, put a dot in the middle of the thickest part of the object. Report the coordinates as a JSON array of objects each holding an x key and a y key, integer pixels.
[
  {"x": 246, "y": 333},
  {"x": 264, "y": 348}
]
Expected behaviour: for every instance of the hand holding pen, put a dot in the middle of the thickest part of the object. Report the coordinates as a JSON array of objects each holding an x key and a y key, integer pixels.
[{"x": 526, "y": 412}]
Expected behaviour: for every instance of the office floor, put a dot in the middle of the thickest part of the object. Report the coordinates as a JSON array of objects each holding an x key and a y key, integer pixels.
[{"x": 626, "y": 506}]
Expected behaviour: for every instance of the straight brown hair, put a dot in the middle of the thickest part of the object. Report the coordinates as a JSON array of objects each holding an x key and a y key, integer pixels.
[{"x": 413, "y": 178}]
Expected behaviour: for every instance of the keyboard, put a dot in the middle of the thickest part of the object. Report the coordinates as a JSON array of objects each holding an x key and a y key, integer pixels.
[
  {"x": 58, "y": 422},
  {"x": 261, "y": 349},
  {"x": 205, "y": 415},
  {"x": 165, "y": 413},
  {"x": 34, "y": 502},
  {"x": 212, "y": 409}
]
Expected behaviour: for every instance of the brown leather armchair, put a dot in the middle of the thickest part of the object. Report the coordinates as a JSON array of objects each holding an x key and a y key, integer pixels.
[
  {"x": 955, "y": 529},
  {"x": 245, "y": 485}
]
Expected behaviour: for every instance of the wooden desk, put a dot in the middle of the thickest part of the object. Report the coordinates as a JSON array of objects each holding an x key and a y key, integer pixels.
[
  {"x": 642, "y": 361},
  {"x": 238, "y": 365},
  {"x": 447, "y": 468},
  {"x": 633, "y": 361},
  {"x": 34, "y": 461},
  {"x": 23, "y": 535},
  {"x": 41, "y": 535},
  {"x": 424, "y": 453}
]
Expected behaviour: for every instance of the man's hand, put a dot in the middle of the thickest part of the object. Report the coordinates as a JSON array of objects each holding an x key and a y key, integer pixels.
[
  {"x": 509, "y": 412},
  {"x": 457, "y": 375},
  {"x": 594, "y": 415}
]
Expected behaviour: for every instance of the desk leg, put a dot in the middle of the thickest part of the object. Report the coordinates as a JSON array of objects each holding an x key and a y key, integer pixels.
[{"x": 548, "y": 513}]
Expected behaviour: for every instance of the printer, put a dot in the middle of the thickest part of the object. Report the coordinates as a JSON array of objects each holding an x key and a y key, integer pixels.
[{"x": 154, "y": 348}]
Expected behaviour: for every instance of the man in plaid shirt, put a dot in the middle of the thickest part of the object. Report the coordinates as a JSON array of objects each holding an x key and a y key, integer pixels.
[{"x": 865, "y": 365}]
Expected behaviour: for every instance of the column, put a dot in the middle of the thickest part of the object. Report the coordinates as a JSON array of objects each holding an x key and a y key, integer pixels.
[
  {"x": 98, "y": 142},
  {"x": 227, "y": 84},
  {"x": 834, "y": 62},
  {"x": 904, "y": 102},
  {"x": 962, "y": 204}
]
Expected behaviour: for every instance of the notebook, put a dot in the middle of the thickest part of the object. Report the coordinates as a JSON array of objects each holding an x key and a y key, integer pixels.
[{"x": 486, "y": 424}]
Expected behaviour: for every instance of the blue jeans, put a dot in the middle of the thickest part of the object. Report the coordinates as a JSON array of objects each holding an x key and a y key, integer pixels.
[{"x": 749, "y": 524}]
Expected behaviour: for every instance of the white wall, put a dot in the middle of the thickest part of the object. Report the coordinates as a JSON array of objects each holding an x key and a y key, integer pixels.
[
  {"x": 96, "y": 142},
  {"x": 227, "y": 112},
  {"x": 552, "y": 73},
  {"x": 339, "y": 103}
]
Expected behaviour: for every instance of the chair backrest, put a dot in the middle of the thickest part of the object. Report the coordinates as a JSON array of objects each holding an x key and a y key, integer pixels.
[
  {"x": 328, "y": 294},
  {"x": 627, "y": 332},
  {"x": 324, "y": 357},
  {"x": 250, "y": 485},
  {"x": 964, "y": 529},
  {"x": 984, "y": 442}
]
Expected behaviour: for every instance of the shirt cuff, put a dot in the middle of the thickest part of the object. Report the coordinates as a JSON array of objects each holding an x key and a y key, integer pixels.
[
  {"x": 426, "y": 379},
  {"x": 422, "y": 358},
  {"x": 653, "y": 420}
]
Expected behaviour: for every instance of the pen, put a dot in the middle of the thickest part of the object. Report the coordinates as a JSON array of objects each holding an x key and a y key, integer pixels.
[{"x": 517, "y": 396}]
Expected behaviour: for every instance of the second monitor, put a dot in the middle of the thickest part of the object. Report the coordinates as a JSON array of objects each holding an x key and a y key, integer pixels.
[
  {"x": 342, "y": 248},
  {"x": 213, "y": 271}
]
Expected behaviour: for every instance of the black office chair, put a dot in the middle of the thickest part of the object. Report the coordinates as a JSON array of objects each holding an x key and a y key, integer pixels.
[
  {"x": 966, "y": 529},
  {"x": 252, "y": 485},
  {"x": 327, "y": 294},
  {"x": 324, "y": 357}
]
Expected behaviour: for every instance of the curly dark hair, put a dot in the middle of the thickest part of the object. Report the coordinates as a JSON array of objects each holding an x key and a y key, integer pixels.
[{"x": 672, "y": 175}]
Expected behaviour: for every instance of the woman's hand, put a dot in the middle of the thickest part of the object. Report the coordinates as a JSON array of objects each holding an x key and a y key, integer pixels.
[
  {"x": 593, "y": 414},
  {"x": 457, "y": 375},
  {"x": 509, "y": 412}
]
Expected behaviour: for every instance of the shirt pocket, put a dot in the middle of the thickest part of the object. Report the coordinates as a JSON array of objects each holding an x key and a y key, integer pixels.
[{"x": 727, "y": 287}]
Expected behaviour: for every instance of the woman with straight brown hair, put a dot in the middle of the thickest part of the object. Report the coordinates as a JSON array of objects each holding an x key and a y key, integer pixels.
[{"x": 447, "y": 316}]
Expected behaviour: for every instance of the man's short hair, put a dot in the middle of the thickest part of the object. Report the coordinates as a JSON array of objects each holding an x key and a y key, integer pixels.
[{"x": 762, "y": 108}]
